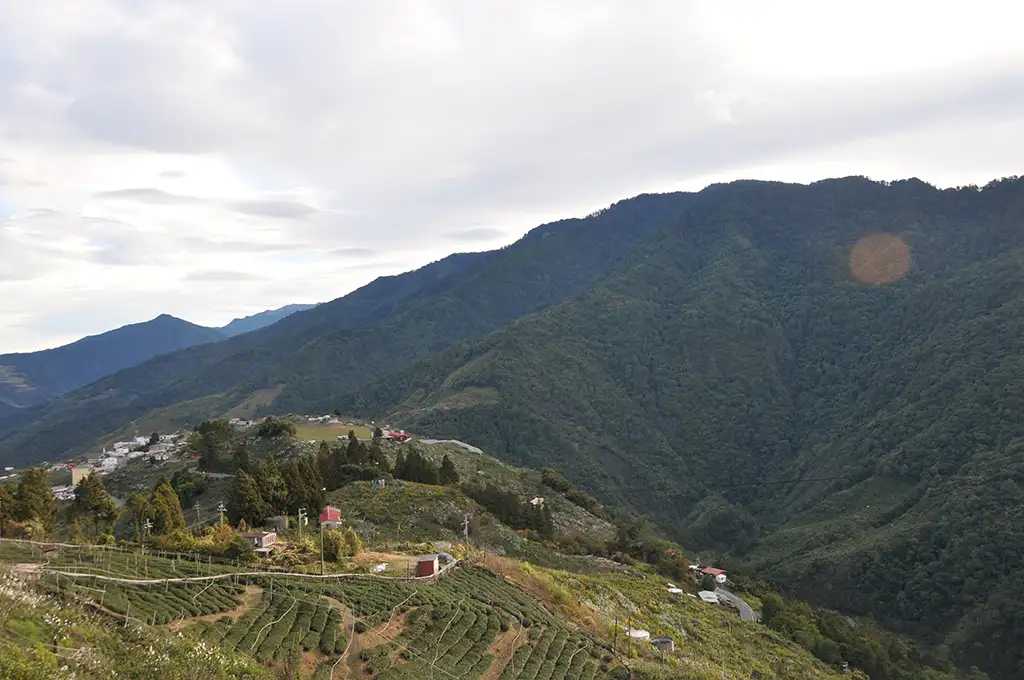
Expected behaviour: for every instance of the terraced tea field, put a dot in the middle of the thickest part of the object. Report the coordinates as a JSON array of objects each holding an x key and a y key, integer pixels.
[{"x": 470, "y": 624}]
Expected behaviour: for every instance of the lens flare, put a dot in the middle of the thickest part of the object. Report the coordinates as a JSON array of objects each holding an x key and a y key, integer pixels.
[{"x": 879, "y": 259}]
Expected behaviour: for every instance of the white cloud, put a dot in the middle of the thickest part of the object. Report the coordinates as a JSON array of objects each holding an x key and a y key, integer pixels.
[{"x": 214, "y": 159}]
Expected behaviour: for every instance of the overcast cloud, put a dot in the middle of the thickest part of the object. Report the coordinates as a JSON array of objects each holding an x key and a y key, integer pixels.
[{"x": 215, "y": 159}]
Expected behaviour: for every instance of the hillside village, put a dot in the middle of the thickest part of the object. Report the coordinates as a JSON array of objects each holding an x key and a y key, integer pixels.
[{"x": 400, "y": 507}]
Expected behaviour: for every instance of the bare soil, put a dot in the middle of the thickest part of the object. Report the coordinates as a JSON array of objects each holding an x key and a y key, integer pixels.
[
  {"x": 250, "y": 597},
  {"x": 503, "y": 648}
]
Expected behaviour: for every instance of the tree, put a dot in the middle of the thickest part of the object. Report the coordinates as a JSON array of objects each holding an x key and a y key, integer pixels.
[
  {"x": 275, "y": 427},
  {"x": 165, "y": 509},
  {"x": 240, "y": 457},
  {"x": 271, "y": 486},
  {"x": 6, "y": 504},
  {"x": 353, "y": 545},
  {"x": 375, "y": 456},
  {"x": 138, "y": 506},
  {"x": 312, "y": 480},
  {"x": 334, "y": 545},
  {"x": 296, "y": 487},
  {"x": 93, "y": 505},
  {"x": 33, "y": 499},
  {"x": 355, "y": 453},
  {"x": 246, "y": 503},
  {"x": 154, "y": 439},
  {"x": 212, "y": 441},
  {"x": 447, "y": 474},
  {"x": 415, "y": 467},
  {"x": 708, "y": 582}
]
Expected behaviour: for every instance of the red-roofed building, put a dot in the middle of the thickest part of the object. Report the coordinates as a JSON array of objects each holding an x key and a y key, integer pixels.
[
  {"x": 330, "y": 517},
  {"x": 719, "y": 574}
]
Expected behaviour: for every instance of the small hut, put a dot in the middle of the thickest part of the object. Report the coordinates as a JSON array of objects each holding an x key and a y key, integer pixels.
[{"x": 663, "y": 643}]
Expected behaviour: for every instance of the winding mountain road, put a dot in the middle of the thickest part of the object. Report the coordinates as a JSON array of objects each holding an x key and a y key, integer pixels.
[{"x": 747, "y": 613}]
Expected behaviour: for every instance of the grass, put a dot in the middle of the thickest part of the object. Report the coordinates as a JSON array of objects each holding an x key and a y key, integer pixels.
[{"x": 330, "y": 432}]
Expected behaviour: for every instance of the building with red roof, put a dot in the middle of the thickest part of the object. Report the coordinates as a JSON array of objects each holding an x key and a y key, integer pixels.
[{"x": 330, "y": 517}]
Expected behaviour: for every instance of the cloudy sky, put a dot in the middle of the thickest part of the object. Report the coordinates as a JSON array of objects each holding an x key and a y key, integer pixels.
[{"x": 214, "y": 158}]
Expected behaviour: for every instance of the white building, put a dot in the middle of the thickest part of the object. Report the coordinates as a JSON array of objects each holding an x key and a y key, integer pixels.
[{"x": 708, "y": 596}]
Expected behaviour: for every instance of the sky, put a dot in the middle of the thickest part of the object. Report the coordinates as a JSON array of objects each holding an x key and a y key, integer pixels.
[{"x": 214, "y": 158}]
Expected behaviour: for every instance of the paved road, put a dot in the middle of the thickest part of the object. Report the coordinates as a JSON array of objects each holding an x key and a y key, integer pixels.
[{"x": 746, "y": 612}]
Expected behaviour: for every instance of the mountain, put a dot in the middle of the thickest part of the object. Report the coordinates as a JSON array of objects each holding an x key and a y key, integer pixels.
[
  {"x": 823, "y": 381},
  {"x": 255, "y": 322},
  {"x": 35, "y": 377}
]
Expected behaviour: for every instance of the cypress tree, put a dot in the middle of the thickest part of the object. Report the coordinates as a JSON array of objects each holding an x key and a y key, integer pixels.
[
  {"x": 447, "y": 474},
  {"x": 246, "y": 503},
  {"x": 165, "y": 508},
  {"x": 312, "y": 481},
  {"x": 93, "y": 504},
  {"x": 271, "y": 485},
  {"x": 138, "y": 506},
  {"x": 33, "y": 499}
]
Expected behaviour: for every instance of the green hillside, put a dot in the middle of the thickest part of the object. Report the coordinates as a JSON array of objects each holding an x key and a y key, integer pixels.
[
  {"x": 688, "y": 356},
  {"x": 737, "y": 349},
  {"x": 495, "y": 618}
]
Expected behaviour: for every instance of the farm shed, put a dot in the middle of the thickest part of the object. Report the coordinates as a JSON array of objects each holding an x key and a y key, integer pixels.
[{"x": 426, "y": 565}]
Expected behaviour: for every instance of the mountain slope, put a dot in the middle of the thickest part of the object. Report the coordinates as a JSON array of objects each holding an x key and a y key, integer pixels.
[
  {"x": 311, "y": 357},
  {"x": 32, "y": 378},
  {"x": 738, "y": 349},
  {"x": 254, "y": 322}
]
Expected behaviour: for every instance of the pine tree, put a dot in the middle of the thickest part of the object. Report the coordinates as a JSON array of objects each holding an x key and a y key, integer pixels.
[
  {"x": 271, "y": 485},
  {"x": 240, "y": 457},
  {"x": 33, "y": 499},
  {"x": 447, "y": 474},
  {"x": 401, "y": 469},
  {"x": 296, "y": 486},
  {"x": 165, "y": 508},
  {"x": 138, "y": 506},
  {"x": 325, "y": 464},
  {"x": 355, "y": 453},
  {"x": 6, "y": 505},
  {"x": 312, "y": 481},
  {"x": 375, "y": 456},
  {"x": 246, "y": 503},
  {"x": 93, "y": 505}
]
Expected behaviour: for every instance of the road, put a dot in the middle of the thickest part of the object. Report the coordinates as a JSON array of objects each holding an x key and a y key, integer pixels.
[
  {"x": 39, "y": 568},
  {"x": 746, "y": 612}
]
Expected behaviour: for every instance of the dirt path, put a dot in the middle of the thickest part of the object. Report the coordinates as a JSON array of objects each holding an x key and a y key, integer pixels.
[
  {"x": 349, "y": 659},
  {"x": 503, "y": 649},
  {"x": 386, "y": 632},
  {"x": 250, "y": 597}
]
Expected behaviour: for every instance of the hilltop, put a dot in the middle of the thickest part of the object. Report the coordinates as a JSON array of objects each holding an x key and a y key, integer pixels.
[{"x": 35, "y": 377}]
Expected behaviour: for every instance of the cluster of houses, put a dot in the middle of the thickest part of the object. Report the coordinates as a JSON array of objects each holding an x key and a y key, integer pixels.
[{"x": 168, "y": 447}]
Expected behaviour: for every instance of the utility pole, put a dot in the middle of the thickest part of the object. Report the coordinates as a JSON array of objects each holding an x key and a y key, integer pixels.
[
  {"x": 322, "y": 568},
  {"x": 465, "y": 528},
  {"x": 147, "y": 527},
  {"x": 221, "y": 509},
  {"x": 302, "y": 516},
  {"x": 198, "y": 519}
]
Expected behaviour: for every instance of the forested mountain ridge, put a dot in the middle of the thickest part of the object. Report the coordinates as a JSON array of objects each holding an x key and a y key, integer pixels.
[
  {"x": 312, "y": 356},
  {"x": 254, "y": 322},
  {"x": 738, "y": 348},
  {"x": 34, "y": 377},
  {"x": 682, "y": 355}
]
